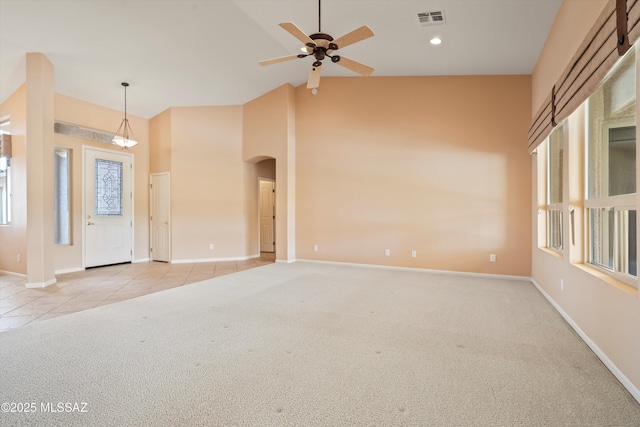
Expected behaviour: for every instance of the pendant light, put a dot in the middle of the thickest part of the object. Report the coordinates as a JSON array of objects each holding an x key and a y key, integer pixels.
[{"x": 124, "y": 134}]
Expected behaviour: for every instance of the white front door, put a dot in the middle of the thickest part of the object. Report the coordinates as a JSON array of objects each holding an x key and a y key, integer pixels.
[
  {"x": 267, "y": 215},
  {"x": 108, "y": 207},
  {"x": 160, "y": 216}
]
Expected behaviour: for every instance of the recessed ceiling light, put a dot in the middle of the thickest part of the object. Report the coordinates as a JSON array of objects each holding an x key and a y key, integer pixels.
[{"x": 436, "y": 40}]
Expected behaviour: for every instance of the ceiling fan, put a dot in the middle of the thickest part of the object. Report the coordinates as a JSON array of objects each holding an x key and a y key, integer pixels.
[{"x": 321, "y": 45}]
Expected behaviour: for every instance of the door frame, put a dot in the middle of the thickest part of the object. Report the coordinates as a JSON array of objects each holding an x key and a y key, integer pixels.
[
  {"x": 275, "y": 246},
  {"x": 151, "y": 175},
  {"x": 85, "y": 148}
]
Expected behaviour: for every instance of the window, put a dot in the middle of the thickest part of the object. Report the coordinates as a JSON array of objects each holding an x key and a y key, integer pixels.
[
  {"x": 5, "y": 181},
  {"x": 611, "y": 173},
  {"x": 108, "y": 188},
  {"x": 62, "y": 197},
  {"x": 554, "y": 188}
]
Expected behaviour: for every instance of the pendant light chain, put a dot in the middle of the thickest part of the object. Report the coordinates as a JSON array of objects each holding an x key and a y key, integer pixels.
[
  {"x": 125, "y": 100},
  {"x": 126, "y": 121}
]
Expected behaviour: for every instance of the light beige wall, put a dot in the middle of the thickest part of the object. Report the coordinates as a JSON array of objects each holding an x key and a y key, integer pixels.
[
  {"x": 574, "y": 19},
  {"x": 208, "y": 184},
  {"x": 607, "y": 315},
  {"x": 269, "y": 131},
  {"x": 13, "y": 237},
  {"x": 81, "y": 113},
  {"x": 431, "y": 164},
  {"x": 160, "y": 142}
]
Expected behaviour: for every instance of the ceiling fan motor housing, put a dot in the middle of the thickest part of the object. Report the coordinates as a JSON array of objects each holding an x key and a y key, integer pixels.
[{"x": 323, "y": 45}]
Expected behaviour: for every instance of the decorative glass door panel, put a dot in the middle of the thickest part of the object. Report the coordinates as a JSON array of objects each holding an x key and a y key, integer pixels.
[
  {"x": 108, "y": 188},
  {"x": 108, "y": 216}
]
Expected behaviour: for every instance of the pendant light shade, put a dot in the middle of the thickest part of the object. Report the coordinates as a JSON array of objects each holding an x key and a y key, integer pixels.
[{"x": 124, "y": 134}]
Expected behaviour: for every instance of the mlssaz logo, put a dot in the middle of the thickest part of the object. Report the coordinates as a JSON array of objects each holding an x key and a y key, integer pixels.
[{"x": 54, "y": 407}]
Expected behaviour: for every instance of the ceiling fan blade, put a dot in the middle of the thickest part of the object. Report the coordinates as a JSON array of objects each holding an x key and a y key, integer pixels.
[
  {"x": 314, "y": 77},
  {"x": 280, "y": 59},
  {"x": 356, "y": 66},
  {"x": 296, "y": 32},
  {"x": 354, "y": 36}
]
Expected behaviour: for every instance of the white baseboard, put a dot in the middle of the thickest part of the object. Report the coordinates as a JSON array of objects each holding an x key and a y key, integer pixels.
[
  {"x": 197, "y": 260},
  {"x": 136, "y": 261},
  {"x": 635, "y": 392},
  {"x": 424, "y": 270},
  {"x": 285, "y": 261},
  {"x": 11, "y": 273},
  {"x": 41, "y": 284}
]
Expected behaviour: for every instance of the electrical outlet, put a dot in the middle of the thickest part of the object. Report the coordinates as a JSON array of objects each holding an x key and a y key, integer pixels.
[
  {"x": 413, "y": 254},
  {"x": 492, "y": 258},
  {"x": 18, "y": 257},
  {"x": 562, "y": 284},
  {"x": 387, "y": 252},
  {"x": 315, "y": 248},
  {"x": 211, "y": 246}
]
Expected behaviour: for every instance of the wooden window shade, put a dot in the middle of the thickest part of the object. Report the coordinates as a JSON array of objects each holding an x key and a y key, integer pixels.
[{"x": 612, "y": 35}]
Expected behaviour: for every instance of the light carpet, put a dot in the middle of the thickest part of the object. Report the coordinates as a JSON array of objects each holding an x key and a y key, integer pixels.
[{"x": 309, "y": 344}]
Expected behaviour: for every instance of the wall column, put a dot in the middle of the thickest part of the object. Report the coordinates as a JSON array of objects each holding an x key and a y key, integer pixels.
[
  {"x": 269, "y": 130},
  {"x": 39, "y": 161},
  {"x": 291, "y": 175}
]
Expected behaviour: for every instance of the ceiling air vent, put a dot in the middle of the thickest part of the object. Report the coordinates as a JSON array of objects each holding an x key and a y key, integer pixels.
[{"x": 435, "y": 17}]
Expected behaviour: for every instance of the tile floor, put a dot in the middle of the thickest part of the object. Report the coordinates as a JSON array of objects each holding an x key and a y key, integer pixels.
[{"x": 104, "y": 285}]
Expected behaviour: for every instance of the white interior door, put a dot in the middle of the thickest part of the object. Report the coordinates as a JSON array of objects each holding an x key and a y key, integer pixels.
[
  {"x": 267, "y": 215},
  {"x": 160, "y": 216},
  {"x": 108, "y": 207}
]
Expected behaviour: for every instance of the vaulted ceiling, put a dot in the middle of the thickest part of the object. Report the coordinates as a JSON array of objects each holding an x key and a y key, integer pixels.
[{"x": 206, "y": 52}]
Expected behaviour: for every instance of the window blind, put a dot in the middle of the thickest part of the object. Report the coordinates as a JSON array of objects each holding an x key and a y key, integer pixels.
[{"x": 611, "y": 36}]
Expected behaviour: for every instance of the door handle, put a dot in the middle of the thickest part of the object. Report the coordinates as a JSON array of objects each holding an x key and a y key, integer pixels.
[{"x": 91, "y": 223}]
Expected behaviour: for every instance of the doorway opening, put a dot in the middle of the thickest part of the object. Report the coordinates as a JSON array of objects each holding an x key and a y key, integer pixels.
[
  {"x": 267, "y": 215},
  {"x": 266, "y": 173}
]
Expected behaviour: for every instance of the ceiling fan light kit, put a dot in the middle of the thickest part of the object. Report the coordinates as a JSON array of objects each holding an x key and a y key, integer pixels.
[{"x": 321, "y": 46}]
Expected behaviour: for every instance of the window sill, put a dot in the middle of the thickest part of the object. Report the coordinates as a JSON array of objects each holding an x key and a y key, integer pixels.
[
  {"x": 625, "y": 287},
  {"x": 551, "y": 252}
]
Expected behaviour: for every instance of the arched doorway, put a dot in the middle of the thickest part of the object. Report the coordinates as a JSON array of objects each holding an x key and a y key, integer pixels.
[{"x": 266, "y": 171}]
